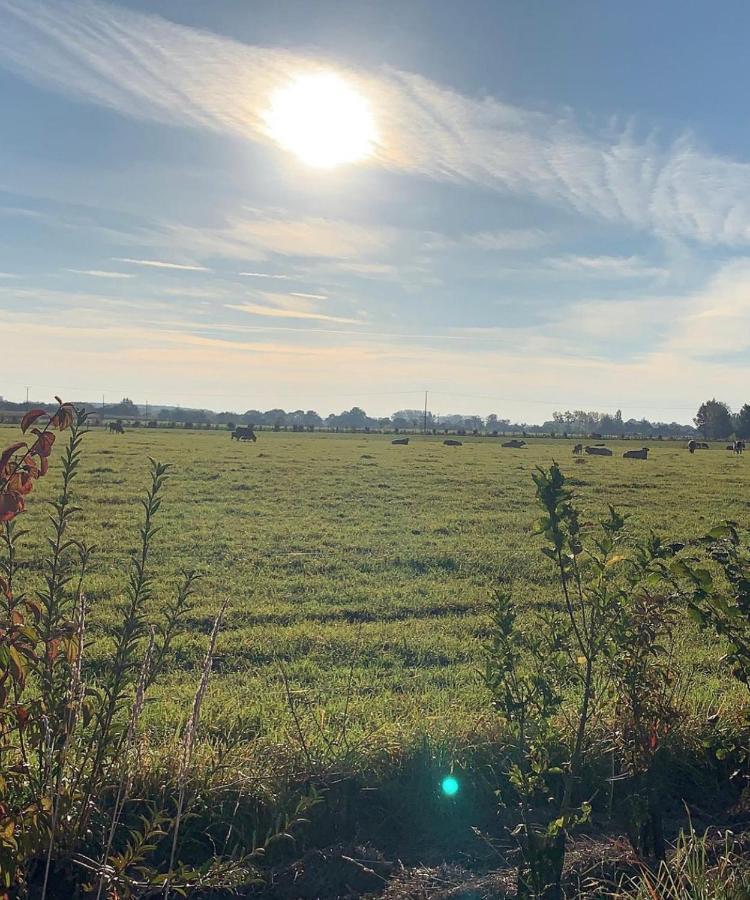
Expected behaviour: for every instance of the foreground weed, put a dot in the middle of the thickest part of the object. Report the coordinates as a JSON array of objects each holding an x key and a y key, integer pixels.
[{"x": 602, "y": 639}]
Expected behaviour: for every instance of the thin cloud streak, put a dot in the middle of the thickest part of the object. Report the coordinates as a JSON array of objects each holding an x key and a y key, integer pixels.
[
  {"x": 265, "y": 275},
  {"x": 607, "y": 266},
  {"x": 100, "y": 273},
  {"x": 257, "y": 309},
  {"x": 159, "y": 264},
  {"x": 149, "y": 68}
]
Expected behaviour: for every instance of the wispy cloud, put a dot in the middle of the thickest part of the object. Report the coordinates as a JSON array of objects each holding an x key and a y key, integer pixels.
[
  {"x": 146, "y": 67},
  {"x": 510, "y": 239},
  {"x": 259, "y": 233},
  {"x": 100, "y": 273},
  {"x": 309, "y": 296},
  {"x": 159, "y": 264},
  {"x": 264, "y": 275},
  {"x": 607, "y": 266},
  {"x": 276, "y": 312}
]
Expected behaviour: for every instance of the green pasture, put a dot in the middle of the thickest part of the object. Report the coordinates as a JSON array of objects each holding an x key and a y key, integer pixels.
[{"x": 362, "y": 571}]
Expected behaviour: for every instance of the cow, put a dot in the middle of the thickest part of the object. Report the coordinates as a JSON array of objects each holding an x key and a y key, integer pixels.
[
  {"x": 702, "y": 446},
  {"x": 578, "y": 450},
  {"x": 401, "y": 441},
  {"x": 515, "y": 444},
  {"x": 691, "y": 445},
  {"x": 636, "y": 454},
  {"x": 739, "y": 447},
  {"x": 452, "y": 443},
  {"x": 598, "y": 451},
  {"x": 244, "y": 434},
  {"x": 116, "y": 428}
]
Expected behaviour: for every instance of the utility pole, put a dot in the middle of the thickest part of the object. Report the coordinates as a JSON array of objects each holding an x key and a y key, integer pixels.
[
  {"x": 424, "y": 429},
  {"x": 28, "y": 386}
]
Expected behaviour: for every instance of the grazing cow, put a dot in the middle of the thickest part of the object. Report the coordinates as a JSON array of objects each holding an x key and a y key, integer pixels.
[
  {"x": 244, "y": 434},
  {"x": 598, "y": 451},
  {"x": 515, "y": 444},
  {"x": 636, "y": 454},
  {"x": 739, "y": 447},
  {"x": 402, "y": 441},
  {"x": 116, "y": 428},
  {"x": 692, "y": 446},
  {"x": 578, "y": 450},
  {"x": 451, "y": 443}
]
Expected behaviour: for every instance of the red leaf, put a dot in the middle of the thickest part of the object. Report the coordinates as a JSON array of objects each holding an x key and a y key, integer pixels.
[
  {"x": 53, "y": 649},
  {"x": 43, "y": 444},
  {"x": 11, "y": 504},
  {"x": 22, "y": 714},
  {"x": 8, "y": 453},
  {"x": 31, "y": 416},
  {"x": 64, "y": 417},
  {"x": 21, "y": 483}
]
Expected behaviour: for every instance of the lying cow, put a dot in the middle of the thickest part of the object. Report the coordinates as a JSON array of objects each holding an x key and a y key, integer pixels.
[
  {"x": 636, "y": 454},
  {"x": 451, "y": 443},
  {"x": 598, "y": 451},
  {"x": 401, "y": 441},
  {"x": 515, "y": 444}
]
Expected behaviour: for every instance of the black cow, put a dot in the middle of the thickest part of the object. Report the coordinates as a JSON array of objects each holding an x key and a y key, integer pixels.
[
  {"x": 598, "y": 451},
  {"x": 244, "y": 434},
  {"x": 636, "y": 454},
  {"x": 451, "y": 443},
  {"x": 401, "y": 441},
  {"x": 116, "y": 428}
]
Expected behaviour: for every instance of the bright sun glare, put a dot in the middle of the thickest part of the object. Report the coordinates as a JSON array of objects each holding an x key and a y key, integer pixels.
[{"x": 322, "y": 120}]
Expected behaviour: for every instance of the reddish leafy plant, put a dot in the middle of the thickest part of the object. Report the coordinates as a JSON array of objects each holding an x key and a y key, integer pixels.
[{"x": 22, "y": 463}]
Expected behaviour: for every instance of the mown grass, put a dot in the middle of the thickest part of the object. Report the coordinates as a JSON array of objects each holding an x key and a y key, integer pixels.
[{"x": 364, "y": 570}]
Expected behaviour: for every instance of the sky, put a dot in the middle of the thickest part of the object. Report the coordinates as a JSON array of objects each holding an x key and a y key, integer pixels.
[{"x": 554, "y": 213}]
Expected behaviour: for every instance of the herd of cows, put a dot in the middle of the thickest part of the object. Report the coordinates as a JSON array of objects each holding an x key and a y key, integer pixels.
[{"x": 247, "y": 433}]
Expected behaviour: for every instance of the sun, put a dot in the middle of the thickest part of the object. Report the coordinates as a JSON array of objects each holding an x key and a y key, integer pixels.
[{"x": 323, "y": 120}]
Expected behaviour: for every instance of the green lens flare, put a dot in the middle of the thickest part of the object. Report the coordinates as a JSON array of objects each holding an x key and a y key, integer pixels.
[{"x": 449, "y": 786}]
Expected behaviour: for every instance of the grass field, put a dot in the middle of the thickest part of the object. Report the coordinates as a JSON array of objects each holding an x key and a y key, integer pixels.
[{"x": 363, "y": 569}]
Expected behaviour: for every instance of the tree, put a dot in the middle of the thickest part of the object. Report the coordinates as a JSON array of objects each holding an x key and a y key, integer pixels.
[
  {"x": 311, "y": 419},
  {"x": 714, "y": 420},
  {"x": 742, "y": 423}
]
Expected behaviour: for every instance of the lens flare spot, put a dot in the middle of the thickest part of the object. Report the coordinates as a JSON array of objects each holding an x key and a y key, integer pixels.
[{"x": 449, "y": 786}]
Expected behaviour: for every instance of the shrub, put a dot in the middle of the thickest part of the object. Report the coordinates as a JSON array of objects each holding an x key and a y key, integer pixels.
[{"x": 554, "y": 675}]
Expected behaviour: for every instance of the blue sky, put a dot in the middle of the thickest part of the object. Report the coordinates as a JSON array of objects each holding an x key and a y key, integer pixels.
[{"x": 557, "y": 212}]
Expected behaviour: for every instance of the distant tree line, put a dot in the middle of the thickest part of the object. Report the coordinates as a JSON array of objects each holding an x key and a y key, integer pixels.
[
  {"x": 713, "y": 421},
  {"x": 580, "y": 421}
]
